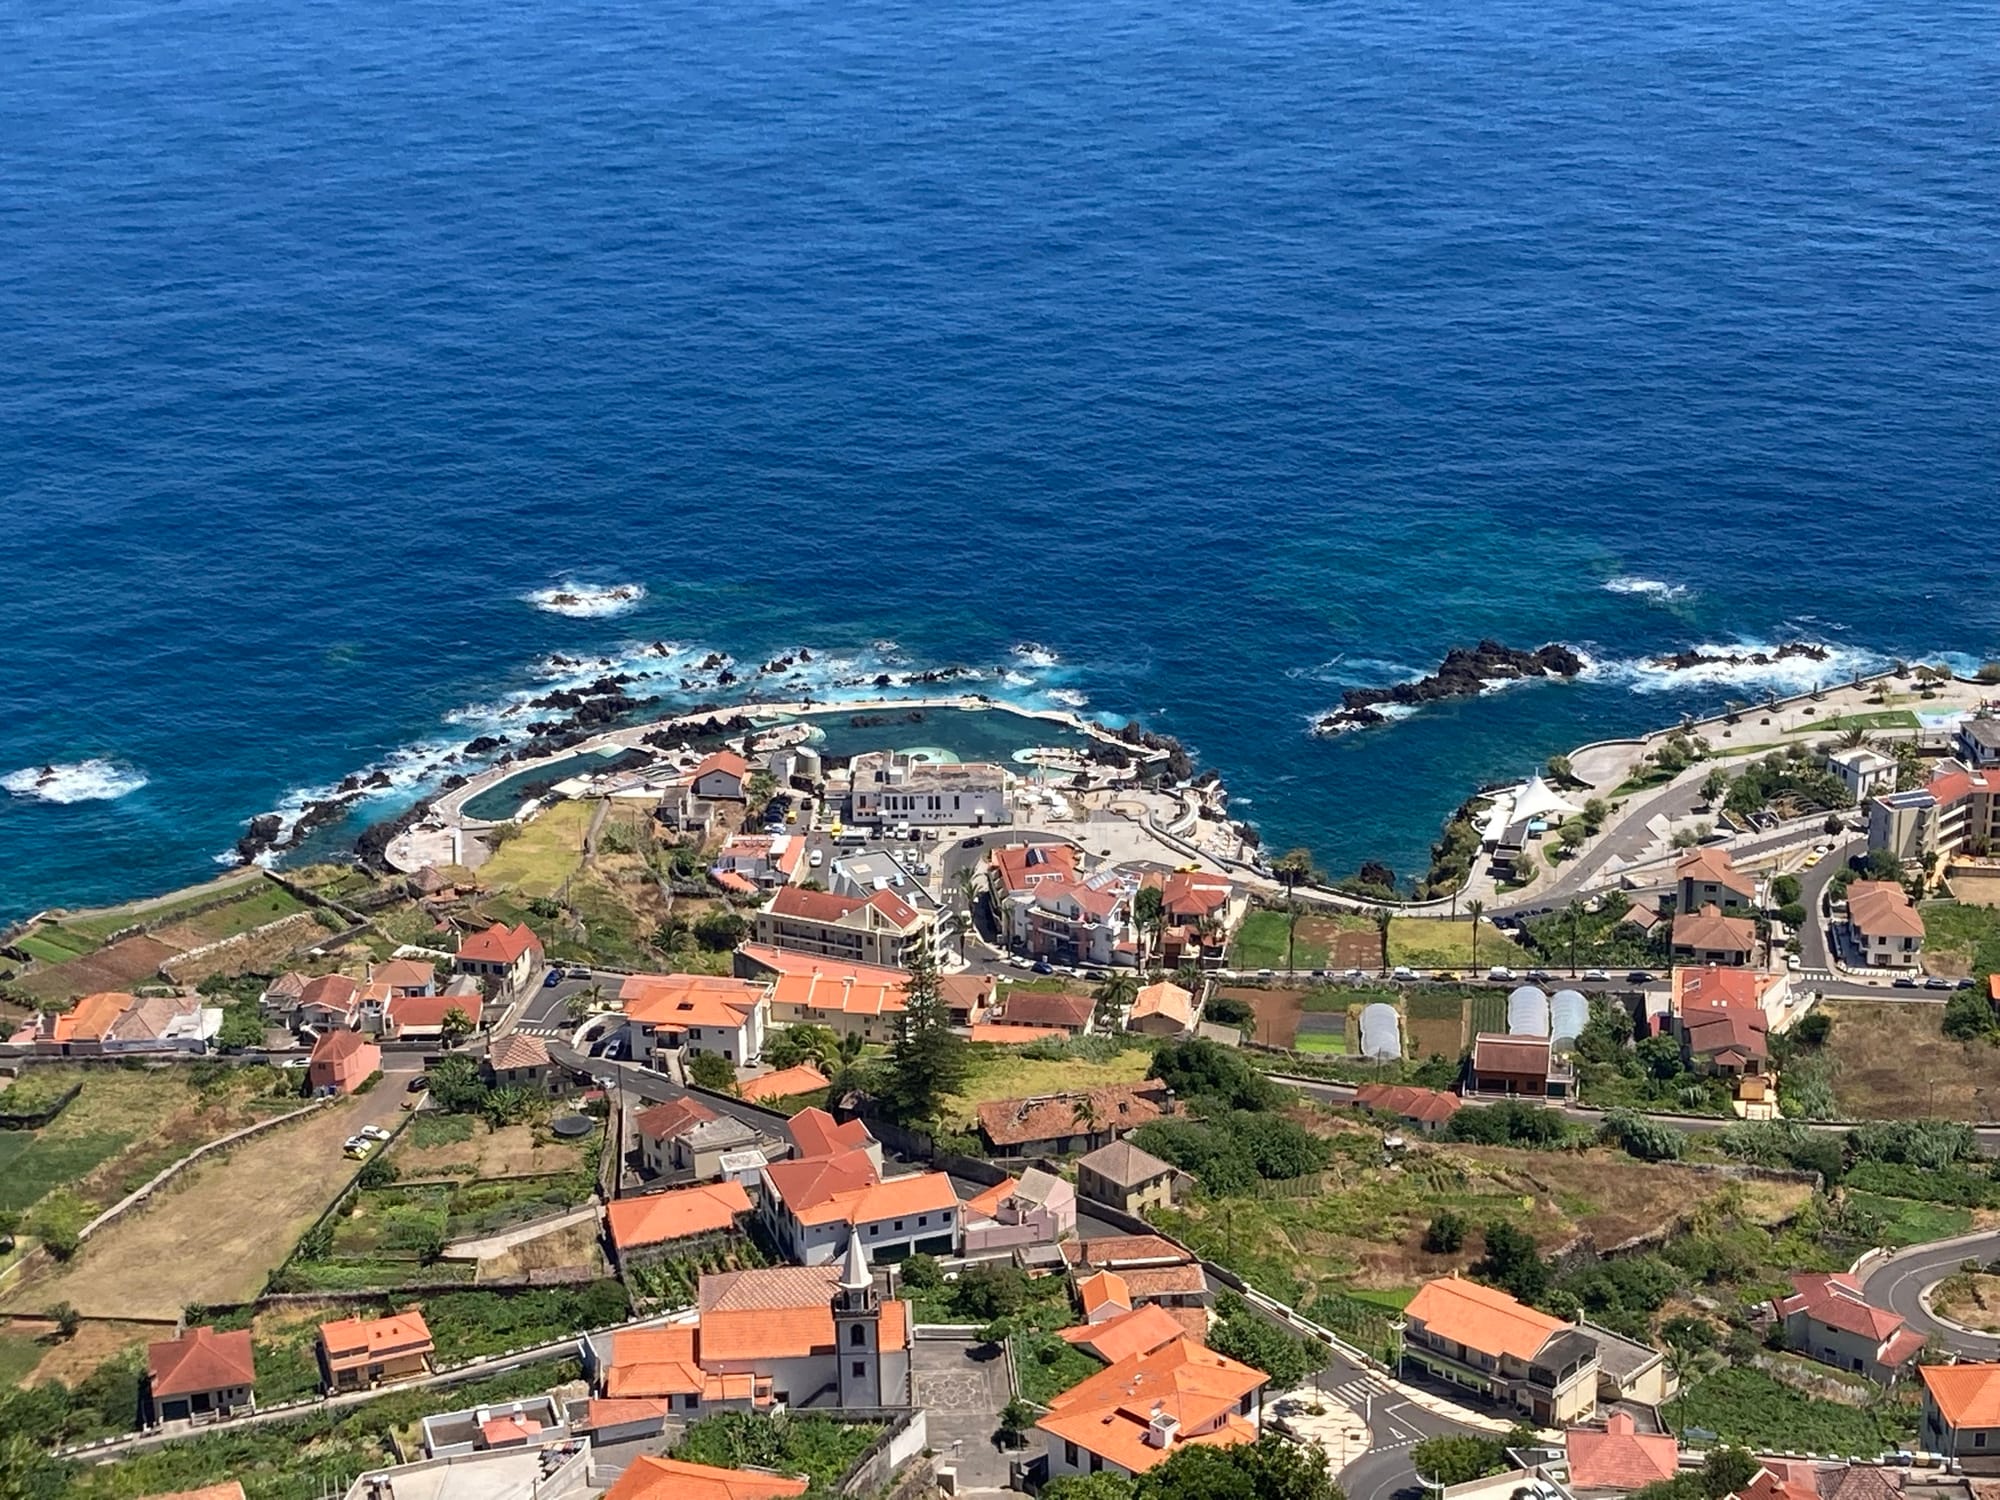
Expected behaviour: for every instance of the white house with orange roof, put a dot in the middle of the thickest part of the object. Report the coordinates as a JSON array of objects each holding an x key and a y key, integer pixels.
[
  {"x": 803, "y": 1337},
  {"x": 1051, "y": 909},
  {"x": 751, "y": 862},
  {"x": 328, "y": 1000},
  {"x": 1962, "y": 1414},
  {"x": 693, "y": 1013},
  {"x": 1884, "y": 930},
  {"x": 649, "y": 1477},
  {"x": 1137, "y": 1413},
  {"x": 720, "y": 777},
  {"x": 1479, "y": 1338},
  {"x": 1826, "y": 1318},
  {"x": 1162, "y": 1008},
  {"x": 807, "y": 989},
  {"x": 507, "y": 958},
  {"x": 875, "y": 929},
  {"x": 835, "y": 1185},
  {"x": 1709, "y": 877},
  {"x": 356, "y": 1353}
]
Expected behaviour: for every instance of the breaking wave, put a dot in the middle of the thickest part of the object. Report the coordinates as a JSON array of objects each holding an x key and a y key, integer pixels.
[
  {"x": 77, "y": 781},
  {"x": 587, "y": 601},
  {"x": 1649, "y": 588}
]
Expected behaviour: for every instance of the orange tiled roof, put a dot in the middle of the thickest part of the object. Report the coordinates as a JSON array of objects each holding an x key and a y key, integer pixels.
[
  {"x": 1115, "y": 1107},
  {"x": 90, "y": 1017},
  {"x": 229, "y": 1490},
  {"x": 986, "y": 1204},
  {"x": 1966, "y": 1395},
  {"x": 682, "y": 1000},
  {"x": 726, "y": 761},
  {"x": 1140, "y": 1331},
  {"x": 998, "y": 1034},
  {"x": 1482, "y": 1318},
  {"x": 1122, "y": 1250},
  {"x": 425, "y": 1011},
  {"x": 200, "y": 1360},
  {"x": 1492, "y": 1053},
  {"x": 1710, "y": 931},
  {"x": 1617, "y": 1456},
  {"x": 803, "y": 1079},
  {"x": 1046, "y": 1008},
  {"x": 872, "y": 1202},
  {"x": 1407, "y": 1102},
  {"x": 1164, "y": 999},
  {"x": 1108, "y": 1414},
  {"x": 677, "y": 1214},
  {"x": 1883, "y": 907},
  {"x": 814, "y": 1133},
  {"x": 782, "y": 1313},
  {"x": 1706, "y": 984},
  {"x": 650, "y": 1478},
  {"x": 350, "y": 1341},
  {"x": 518, "y": 1050},
  {"x": 673, "y": 1119},
  {"x": 500, "y": 944},
  {"x": 842, "y": 989},
  {"x": 654, "y": 1362},
  {"x": 1103, "y": 1289},
  {"x": 403, "y": 973},
  {"x": 1713, "y": 866},
  {"x": 610, "y": 1411},
  {"x": 334, "y": 991},
  {"x": 338, "y": 1046}
]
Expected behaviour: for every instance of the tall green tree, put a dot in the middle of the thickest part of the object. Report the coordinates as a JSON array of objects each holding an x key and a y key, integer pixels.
[
  {"x": 1114, "y": 997},
  {"x": 1294, "y": 867},
  {"x": 927, "y": 1060},
  {"x": 1475, "y": 909},
  {"x": 1149, "y": 916}
]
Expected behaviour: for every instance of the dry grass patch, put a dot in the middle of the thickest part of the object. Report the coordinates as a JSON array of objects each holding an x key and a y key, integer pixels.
[
  {"x": 572, "y": 1245},
  {"x": 1277, "y": 1013},
  {"x": 1002, "y": 1074},
  {"x": 1970, "y": 1298},
  {"x": 511, "y": 1151},
  {"x": 70, "y": 1360},
  {"x": 1889, "y": 1061}
]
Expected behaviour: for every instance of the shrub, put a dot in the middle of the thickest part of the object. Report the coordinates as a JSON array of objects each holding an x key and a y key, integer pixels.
[
  {"x": 1252, "y": 1340},
  {"x": 1445, "y": 1234},
  {"x": 711, "y": 1070},
  {"x": 1513, "y": 1262}
]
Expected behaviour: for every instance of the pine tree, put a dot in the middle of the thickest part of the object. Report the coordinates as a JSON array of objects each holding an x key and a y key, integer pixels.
[{"x": 928, "y": 1058}]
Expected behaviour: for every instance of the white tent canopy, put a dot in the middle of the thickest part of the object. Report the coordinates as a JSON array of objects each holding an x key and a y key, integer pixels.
[{"x": 1540, "y": 800}]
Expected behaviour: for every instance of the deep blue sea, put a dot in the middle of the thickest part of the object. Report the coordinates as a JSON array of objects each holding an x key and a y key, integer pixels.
[{"x": 1233, "y": 351}]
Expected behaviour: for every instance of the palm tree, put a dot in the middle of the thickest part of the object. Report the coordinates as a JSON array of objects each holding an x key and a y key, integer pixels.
[
  {"x": 1575, "y": 914},
  {"x": 1084, "y": 1114},
  {"x": 1855, "y": 738},
  {"x": 1114, "y": 997},
  {"x": 846, "y": 1062},
  {"x": 1475, "y": 909},
  {"x": 1291, "y": 929},
  {"x": 963, "y": 883},
  {"x": 1383, "y": 917}
]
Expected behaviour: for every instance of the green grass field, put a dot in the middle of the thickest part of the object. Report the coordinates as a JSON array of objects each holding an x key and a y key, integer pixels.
[
  {"x": 51, "y": 945},
  {"x": 1968, "y": 932},
  {"x": 1434, "y": 943},
  {"x": 1751, "y": 1408},
  {"x": 1260, "y": 944},
  {"x": 1887, "y": 718},
  {"x": 1320, "y": 1041},
  {"x": 543, "y": 854},
  {"x": 19, "y": 1355},
  {"x": 1905, "y": 1222}
]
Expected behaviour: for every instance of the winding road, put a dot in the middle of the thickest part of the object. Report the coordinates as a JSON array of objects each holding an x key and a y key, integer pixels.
[{"x": 1898, "y": 1282}]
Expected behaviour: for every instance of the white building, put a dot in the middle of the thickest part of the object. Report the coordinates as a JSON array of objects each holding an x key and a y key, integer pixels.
[
  {"x": 1864, "y": 772},
  {"x": 888, "y": 787},
  {"x": 695, "y": 1013},
  {"x": 835, "y": 1188}
]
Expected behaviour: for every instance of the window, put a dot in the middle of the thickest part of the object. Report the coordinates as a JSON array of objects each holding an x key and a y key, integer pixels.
[
  {"x": 922, "y": 1220},
  {"x": 873, "y": 1230},
  {"x": 859, "y": 1338},
  {"x": 1069, "y": 1454},
  {"x": 899, "y": 1226},
  {"x": 860, "y": 1368},
  {"x": 693, "y": 1402}
]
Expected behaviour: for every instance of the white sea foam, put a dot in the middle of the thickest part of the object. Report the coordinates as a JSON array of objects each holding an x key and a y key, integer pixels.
[
  {"x": 1036, "y": 655},
  {"x": 1068, "y": 698},
  {"x": 1017, "y": 679},
  {"x": 1794, "y": 674},
  {"x": 587, "y": 601},
  {"x": 90, "y": 780},
  {"x": 1652, "y": 588}
]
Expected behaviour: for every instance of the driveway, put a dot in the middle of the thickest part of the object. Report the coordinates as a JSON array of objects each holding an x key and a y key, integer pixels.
[{"x": 962, "y": 1384}]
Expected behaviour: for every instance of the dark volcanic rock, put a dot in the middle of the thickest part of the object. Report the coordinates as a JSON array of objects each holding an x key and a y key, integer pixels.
[
  {"x": 1681, "y": 661},
  {"x": 264, "y": 831},
  {"x": 485, "y": 744},
  {"x": 1462, "y": 674}
]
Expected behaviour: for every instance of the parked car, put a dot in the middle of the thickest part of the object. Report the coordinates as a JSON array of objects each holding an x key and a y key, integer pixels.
[
  {"x": 360, "y": 1150},
  {"x": 1966, "y": 983},
  {"x": 974, "y": 843},
  {"x": 292, "y": 1063},
  {"x": 374, "y": 1132},
  {"x": 1403, "y": 971},
  {"x": 1596, "y": 976},
  {"x": 1904, "y": 982},
  {"x": 1263, "y": 973},
  {"x": 817, "y": 858},
  {"x": 1640, "y": 976},
  {"x": 1499, "y": 971},
  {"x": 1043, "y": 966},
  {"x": 421, "y": 1082},
  {"x": 1354, "y": 976},
  {"x": 1937, "y": 982}
]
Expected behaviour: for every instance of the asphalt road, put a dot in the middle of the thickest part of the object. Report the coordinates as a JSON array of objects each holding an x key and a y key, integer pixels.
[{"x": 1899, "y": 1282}]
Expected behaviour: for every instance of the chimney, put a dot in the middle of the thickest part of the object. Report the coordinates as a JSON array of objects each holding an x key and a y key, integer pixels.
[{"x": 1161, "y": 1429}]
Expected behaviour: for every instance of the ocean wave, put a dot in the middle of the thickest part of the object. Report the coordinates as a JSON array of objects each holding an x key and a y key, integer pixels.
[
  {"x": 91, "y": 780},
  {"x": 1036, "y": 655},
  {"x": 1067, "y": 698},
  {"x": 587, "y": 601},
  {"x": 1794, "y": 674},
  {"x": 1017, "y": 679},
  {"x": 1650, "y": 588}
]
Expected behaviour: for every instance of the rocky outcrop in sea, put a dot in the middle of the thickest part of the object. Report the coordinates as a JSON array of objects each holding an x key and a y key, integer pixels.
[
  {"x": 1464, "y": 673},
  {"x": 1683, "y": 661}
]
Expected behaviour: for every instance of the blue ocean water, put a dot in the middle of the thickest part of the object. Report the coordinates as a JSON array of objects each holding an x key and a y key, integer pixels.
[{"x": 1236, "y": 352}]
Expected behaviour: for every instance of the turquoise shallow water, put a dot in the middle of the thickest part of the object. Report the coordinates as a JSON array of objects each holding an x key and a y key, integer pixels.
[{"x": 1234, "y": 352}]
